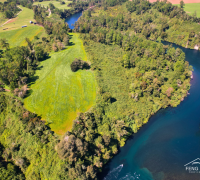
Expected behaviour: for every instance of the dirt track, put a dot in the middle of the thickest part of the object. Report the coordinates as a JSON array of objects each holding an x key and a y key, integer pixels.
[{"x": 178, "y": 1}]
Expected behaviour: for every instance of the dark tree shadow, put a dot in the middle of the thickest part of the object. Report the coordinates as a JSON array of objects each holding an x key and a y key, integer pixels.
[
  {"x": 71, "y": 44},
  {"x": 45, "y": 58},
  {"x": 112, "y": 100},
  {"x": 39, "y": 68}
]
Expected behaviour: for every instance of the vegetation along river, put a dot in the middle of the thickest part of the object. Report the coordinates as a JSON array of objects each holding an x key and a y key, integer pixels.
[{"x": 167, "y": 142}]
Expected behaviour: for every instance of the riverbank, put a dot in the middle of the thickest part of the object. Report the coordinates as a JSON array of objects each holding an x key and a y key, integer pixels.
[{"x": 167, "y": 142}]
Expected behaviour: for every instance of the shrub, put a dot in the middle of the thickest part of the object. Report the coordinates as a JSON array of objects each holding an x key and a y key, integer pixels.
[{"x": 79, "y": 64}]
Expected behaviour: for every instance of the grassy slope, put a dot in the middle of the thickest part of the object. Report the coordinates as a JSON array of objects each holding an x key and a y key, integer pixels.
[
  {"x": 59, "y": 94},
  {"x": 23, "y": 18},
  {"x": 55, "y": 3},
  {"x": 15, "y": 34},
  {"x": 17, "y": 37},
  {"x": 191, "y": 8}
]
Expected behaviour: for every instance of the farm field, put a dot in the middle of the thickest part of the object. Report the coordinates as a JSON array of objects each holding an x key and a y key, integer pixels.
[
  {"x": 24, "y": 18},
  {"x": 55, "y": 3},
  {"x": 59, "y": 94},
  {"x": 17, "y": 37},
  {"x": 190, "y": 8},
  {"x": 178, "y": 1}
]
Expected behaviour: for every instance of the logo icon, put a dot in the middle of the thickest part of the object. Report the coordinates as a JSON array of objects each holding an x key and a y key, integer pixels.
[{"x": 193, "y": 166}]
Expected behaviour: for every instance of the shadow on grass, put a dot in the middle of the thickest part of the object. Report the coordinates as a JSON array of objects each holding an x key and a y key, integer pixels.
[{"x": 71, "y": 44}]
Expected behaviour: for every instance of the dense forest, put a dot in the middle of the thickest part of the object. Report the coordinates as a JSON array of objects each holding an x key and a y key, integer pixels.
[{"x": 136, "y": 76}]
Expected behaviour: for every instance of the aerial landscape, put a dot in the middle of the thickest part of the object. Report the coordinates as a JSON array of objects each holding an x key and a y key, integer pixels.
[{"x": 99, "y": 89}]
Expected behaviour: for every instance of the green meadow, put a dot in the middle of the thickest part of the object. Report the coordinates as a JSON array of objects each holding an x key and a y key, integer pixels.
[
  {"x": 55, "y": 3},
  {"x": 190, "y": 8},
  {"x": 17, "y": 37},
  {"x": 59, "y": 94},
  {"x": 23, "y": 18}
]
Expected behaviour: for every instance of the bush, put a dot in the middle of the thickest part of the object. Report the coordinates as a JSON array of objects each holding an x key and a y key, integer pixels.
[{"x": 79, "y": 64}]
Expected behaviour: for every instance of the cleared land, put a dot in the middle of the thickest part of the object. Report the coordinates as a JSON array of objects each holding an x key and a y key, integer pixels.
[
  {"x": 178, "y": 1},
  {"x": 23, "y": 18},
  {"x": 59, "y": 94},
  {"x": 191, "y": 8},
  {"x": 17, "y": 37},
  {"x": 55, "y": 3}
]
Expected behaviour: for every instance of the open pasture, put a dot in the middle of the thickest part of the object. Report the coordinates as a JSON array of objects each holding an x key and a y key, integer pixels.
[
  {"x": 23, "y": 18},
  {"x": 59, "y": 94},
  {"x": 55, "y": 3},
  {"x": 190, "y": 8},
  {"x": 17, "y": 37},
  {"x": 178, "y": 1}
]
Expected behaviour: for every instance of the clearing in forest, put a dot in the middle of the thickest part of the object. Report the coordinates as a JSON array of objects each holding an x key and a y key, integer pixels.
[
  {"x": 17, "y": 37},
  {"x": 178, "y": 1},
  {"x": 57, "y": 4},
  {"x": 59, "y": 94},
  {"x": 23, "y": 18},
  {"x": 14, "y": 32},
  {"x": 190, "y": 8}
]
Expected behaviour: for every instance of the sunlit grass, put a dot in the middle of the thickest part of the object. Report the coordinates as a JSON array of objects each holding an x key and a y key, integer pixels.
[
  {"x": 22, "y": 19},
  {"x": 59, "y": 94},
  {"x": 55, "y": 3},
  {"x": 17, "y": 37},
  {"x": 190, "y": 8}
]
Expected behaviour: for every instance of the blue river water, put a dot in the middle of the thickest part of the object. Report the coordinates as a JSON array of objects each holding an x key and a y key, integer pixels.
[
  {"x": 72, "y": 19},
  {"x": 167, "y": 142}
]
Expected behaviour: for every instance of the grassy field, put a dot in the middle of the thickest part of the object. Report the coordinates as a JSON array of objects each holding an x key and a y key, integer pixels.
[
  {"x": 55, "y": 3},
  {"x": 17, "y": 37},
  {"x": 190, "y": 8},
  {"x": 23, "y": 18},
  {"x": 59, "y": 94}
]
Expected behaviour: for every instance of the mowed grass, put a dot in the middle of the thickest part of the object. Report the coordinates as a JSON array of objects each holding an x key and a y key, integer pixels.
[
  {"x": 59, "y": 94},
  {"x": 190, "y": 8},
  {"x": 17, "y": 37},
  {"x": 23, "y": 18},
  {"x": 55, "y": 3}
]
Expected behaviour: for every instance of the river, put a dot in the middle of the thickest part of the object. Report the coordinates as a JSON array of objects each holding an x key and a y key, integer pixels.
[
  {"x": 166, "y": 143},
  {"x": 72, "y": 19}
]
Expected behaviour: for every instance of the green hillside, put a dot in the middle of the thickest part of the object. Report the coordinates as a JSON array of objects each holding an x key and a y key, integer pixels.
[
  {"x": 17, "y": 37},
  {"x": 24, "y": 18},
  {"x": 190, "y": 8},
  {"x": 55, "y": 3},
  {"x": 59, "y": 94}
]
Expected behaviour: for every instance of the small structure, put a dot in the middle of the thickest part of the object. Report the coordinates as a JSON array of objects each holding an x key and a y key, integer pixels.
[{"x": 24, "y": 26}]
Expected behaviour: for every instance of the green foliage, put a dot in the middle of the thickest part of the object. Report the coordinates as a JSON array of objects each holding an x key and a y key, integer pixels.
[
  {"x": 29, "y": 145},
  {"x": 79, "y": 64},
  {"x": 135, "y": 76},
  {"x": 18, "y": 63}
]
